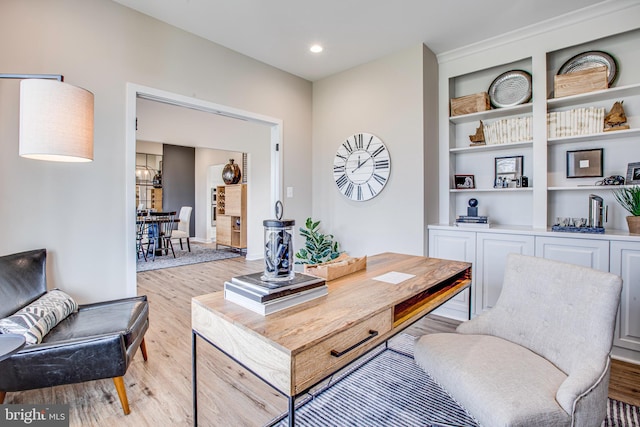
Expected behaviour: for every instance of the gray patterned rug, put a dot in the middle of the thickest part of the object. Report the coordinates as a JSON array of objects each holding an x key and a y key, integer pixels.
[
  {"x": 389, "y": 389},
  {"x": 200, "y": 252}
]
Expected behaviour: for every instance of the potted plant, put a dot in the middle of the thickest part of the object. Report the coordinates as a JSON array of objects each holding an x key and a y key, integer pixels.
[
  {"x": 318, "y": 247},
  {"x": 629, "y": 198}
]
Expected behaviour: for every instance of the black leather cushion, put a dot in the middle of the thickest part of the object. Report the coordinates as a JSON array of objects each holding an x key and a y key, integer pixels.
[
  {"x": 125, "y": 316},
  {"x": 22, "y": 280}
]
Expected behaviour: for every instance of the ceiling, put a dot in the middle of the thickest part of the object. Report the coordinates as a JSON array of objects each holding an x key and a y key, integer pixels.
[{"x": 353, "y": 32}]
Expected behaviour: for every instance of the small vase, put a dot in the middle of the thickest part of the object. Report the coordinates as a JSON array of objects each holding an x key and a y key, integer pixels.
[
  {"x": 634, "y": 224},
  {"x": 231, "y": 173}
]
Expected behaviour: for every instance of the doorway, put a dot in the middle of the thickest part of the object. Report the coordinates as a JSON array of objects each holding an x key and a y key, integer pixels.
[{"x": 274, "y": 142}]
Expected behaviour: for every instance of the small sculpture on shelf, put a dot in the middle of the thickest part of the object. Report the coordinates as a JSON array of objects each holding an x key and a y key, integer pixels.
[
  {"x": 472, "y": 219},
  {"x": 478, "y": 137},
  {"x": 616, "y": 119}
]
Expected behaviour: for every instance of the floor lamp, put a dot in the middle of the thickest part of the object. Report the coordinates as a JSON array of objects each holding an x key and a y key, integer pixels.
[{"x": 56, "y": 119}]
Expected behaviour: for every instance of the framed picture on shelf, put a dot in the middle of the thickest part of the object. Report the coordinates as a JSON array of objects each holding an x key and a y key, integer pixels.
[
  {"x": 633, "y": 174},
  {"x": 464, "y": 182},
  {"x": 508, "y": 169},
  {"x": 584, "y": 163}
]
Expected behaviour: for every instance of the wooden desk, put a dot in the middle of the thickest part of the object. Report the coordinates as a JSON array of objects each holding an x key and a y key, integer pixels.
[{"x": 291, "y": 350}]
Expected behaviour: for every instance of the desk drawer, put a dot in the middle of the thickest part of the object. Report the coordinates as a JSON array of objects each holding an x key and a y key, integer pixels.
[{"x": 317, "y": 362}]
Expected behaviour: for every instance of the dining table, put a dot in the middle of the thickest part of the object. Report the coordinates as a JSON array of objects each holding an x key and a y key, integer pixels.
[{"x": 152, "y": 221}]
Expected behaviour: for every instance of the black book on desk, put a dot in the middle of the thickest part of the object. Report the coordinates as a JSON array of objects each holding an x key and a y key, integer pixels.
[
  {"x": 271, "y": 306},
  {"x": 273, "y": 294},
  {"x": 255, "y": 282}
]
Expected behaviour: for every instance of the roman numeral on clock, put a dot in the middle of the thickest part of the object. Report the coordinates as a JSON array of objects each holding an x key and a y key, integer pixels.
[
  {"x": 349, "y": 190},
  {"x": 340, "y": 182},
  {"x": 381, "y": 164},
  {"x": 359, "y": 192},
  {"x": 358, "y": 140},
  {"x": 381, "y": 180},
  {"x": 347, "y": 146},
  {"x": 369, "y": 143},
  {"x": 371, "y": 190},
  {"x": 378, "y": 151},
  {"x": 339, "y": 168}
]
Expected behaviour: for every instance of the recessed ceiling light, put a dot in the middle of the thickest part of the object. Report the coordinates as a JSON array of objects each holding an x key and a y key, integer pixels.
[{"x": 316, "y": 48}]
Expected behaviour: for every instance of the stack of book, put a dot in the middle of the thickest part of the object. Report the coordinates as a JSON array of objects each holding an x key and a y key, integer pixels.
[
  {"x": 473, "y": 221},
  {"x": 506, "y": 131},
  {"x": 579, "y": 121},
  {"x": 264, "y": 297}
]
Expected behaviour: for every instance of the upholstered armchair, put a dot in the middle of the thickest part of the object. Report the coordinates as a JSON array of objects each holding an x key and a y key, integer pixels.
[
  {"x": 540, "y": 356},
  {"x": 72, "y": 345}
]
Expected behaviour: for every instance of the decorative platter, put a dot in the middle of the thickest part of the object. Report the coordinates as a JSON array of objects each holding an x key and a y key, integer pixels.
[
  {"x": 591, "y": 59},
  {"x": 510, "y": 88}
]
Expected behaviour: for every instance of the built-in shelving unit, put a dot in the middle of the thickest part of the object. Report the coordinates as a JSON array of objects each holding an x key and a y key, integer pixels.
[
  {"x": 551, "y": 193},
  {"x": 521, "y": 218}
]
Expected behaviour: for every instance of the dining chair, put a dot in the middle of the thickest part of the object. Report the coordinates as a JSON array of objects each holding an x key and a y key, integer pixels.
[
  {"x": 159, "y": 233},
  {"x": 140, "y": 236},
  {"x": 183, "y": 226}
]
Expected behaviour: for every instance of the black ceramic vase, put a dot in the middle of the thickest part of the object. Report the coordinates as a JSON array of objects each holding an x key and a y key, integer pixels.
[{"x": 231, "y": 173}]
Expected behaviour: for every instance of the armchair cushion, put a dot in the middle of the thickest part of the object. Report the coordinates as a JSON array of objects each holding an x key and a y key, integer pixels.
[{"x": 36, "y": 319}]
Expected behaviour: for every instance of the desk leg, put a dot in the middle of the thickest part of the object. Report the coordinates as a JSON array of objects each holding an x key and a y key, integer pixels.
[
  {"x": 195, "y": 378},
  {"x": 292, "y": 411}
]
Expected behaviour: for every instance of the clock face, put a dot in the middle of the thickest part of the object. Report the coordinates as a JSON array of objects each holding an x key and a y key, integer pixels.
[{"x": 361, "y": 167}]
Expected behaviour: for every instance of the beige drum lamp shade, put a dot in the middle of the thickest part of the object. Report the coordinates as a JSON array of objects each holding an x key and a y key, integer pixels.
[{"x": 56, "y": 121}]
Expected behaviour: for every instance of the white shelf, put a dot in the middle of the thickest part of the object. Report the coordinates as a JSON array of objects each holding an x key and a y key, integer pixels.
[
  {"x": 492, "y": 147},
  {"x": 600, "y": 95},
  {"x": 493, "y": 114},
  {"x": 588, "y": 187},
  {"x": 595, "y": 136},
  {"x": 491, "y": 190}
]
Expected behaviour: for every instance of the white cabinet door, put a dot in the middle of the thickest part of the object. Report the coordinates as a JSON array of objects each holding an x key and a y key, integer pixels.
[
  {"x": 455, "y": 246},
  {"x": 585, "y": 252},
  {"x": 625, "y": 262},
  {"x": 492, "y": 250}
]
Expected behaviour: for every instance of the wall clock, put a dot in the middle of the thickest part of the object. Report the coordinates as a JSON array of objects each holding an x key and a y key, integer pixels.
[{"x": 361, "y": 167}]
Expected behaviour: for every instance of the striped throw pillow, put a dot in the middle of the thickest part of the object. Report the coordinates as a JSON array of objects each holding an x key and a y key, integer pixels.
[{"x": 35, "y": 320}]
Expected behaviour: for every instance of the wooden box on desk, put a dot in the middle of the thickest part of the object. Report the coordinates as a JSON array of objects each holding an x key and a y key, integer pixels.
[
  {"x": 339, "y": 267},
  {"x": 470, "y": 104},
  {"x": 588, "y": 80}
]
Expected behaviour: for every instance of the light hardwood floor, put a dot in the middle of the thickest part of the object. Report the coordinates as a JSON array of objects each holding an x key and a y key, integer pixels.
[{"x": 159, "y": 390}]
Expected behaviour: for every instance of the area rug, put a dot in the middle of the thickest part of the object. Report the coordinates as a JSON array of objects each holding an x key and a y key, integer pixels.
[
  {"x": 199, "y": 253},
  {"x": 389, "y": 389}
]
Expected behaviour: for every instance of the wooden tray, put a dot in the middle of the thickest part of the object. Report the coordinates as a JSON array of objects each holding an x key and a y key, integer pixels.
[{"x": 338, "y": 267}]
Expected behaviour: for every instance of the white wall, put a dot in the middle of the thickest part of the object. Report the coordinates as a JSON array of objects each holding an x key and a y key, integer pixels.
[
  {"x": 77, "y": 211},
  {"x": 385, "y": 98}
]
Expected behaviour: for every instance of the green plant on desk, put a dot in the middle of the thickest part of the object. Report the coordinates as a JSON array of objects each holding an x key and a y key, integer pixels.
[{"x": 318, "y": 247}]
